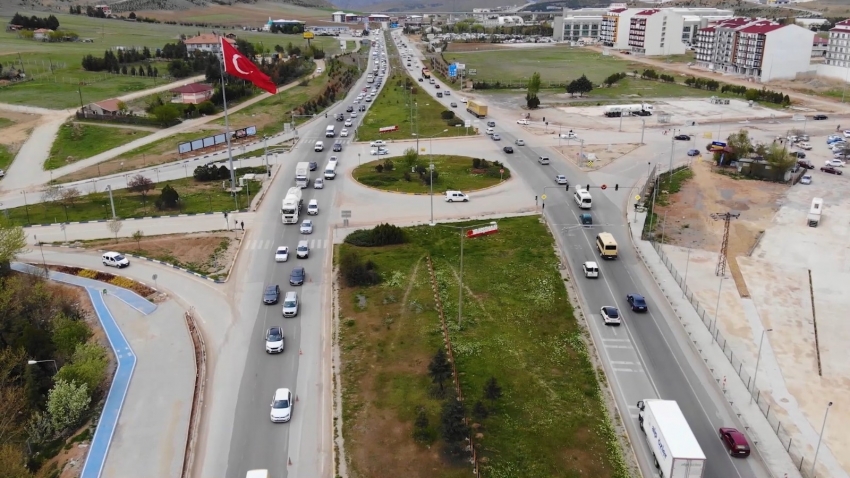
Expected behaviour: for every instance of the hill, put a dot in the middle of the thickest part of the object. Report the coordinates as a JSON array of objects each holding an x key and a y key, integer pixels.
[{"x": 9, "y": 7}]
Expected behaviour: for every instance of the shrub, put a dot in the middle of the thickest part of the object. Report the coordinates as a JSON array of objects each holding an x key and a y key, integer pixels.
[
  {"x": 455, "y": 122},
  {"x": 388, "y": 165},
  {"x": 356, "y": 272},
  {"x": 447, "y": 114},
  {"x": 379, "y": 168},
  {"x": 380, "y": 235},
  {"x": 87, "y": 273},
  {"x": 168, "y": 198},
  {"x": 476, "y": 163},
  {"x": 407, "y": 176}
]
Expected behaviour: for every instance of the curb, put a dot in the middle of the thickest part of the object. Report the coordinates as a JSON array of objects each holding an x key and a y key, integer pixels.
[
  {"x": 135, "y": 218},
  {"x": 167, "y": 264}
]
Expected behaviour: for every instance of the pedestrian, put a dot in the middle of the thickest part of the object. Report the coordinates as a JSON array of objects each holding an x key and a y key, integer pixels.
[
  {"x": 544, "y": 205},
  {"x": 242, "y": 224}
]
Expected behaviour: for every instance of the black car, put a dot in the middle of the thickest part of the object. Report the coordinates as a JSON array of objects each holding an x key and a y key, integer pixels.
[
  {"x": 271, "y": 294},
  {"x": 314, "y": 165},
  {"x": 337, "y": 147},
  {"x": 508, "y": 150},
  {"x": 296, "y": 277},
  {"x": 420, "y": 80},
  {"x": 340, "y": 117},
  {"x": 637, "y": 302},
  {"x": 798, "y": 154},
  {"x": 362, "y": 108},
  {"x": 683, "y": 137},
  {"x": 349, "y": 109},
  {"x": 491, "y": 124},
  {"x": 805, "y": 164},
  {"x": 820, "y": 117}
]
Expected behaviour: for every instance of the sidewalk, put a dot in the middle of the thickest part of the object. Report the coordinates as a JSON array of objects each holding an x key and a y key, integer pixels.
[
  {"x": 150, "y": 226},
  {"x": 761, "y": 434}
]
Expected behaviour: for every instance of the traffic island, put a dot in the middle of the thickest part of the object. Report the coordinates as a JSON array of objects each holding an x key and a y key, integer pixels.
[{"x": 410, "y": 173}]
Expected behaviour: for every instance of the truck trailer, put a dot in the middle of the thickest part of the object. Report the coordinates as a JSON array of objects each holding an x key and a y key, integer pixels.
[
  {"x": 291, "y": 207},
  {"x": 478, "y": 109},
  {"x": 674, "y": 447},
  {"x": 640, "y": 109},
  {"x": 302, "y": 174},
  {"x": 426, "y": 73},
  {"x": 813, "y": 219}
]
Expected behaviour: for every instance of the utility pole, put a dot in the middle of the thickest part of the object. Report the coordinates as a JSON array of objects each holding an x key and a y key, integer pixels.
[{"x": 726, "y": 217}]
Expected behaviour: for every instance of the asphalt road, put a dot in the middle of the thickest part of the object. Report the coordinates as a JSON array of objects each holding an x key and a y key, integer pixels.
[
  {"x": 644, "y": 357},
  {"x": 256, "y": 442}
]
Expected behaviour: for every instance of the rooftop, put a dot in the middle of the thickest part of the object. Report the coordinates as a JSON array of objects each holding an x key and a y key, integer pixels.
[
  {"x": 206, "y": 39},
  {"x": 192, "y": 88}
]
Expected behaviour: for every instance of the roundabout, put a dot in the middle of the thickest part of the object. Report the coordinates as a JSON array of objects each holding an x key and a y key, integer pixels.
[{"x": 410, "y": 173}]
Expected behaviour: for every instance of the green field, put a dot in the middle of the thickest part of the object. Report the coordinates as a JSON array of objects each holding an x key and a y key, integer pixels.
[
  {"x": 196, "y": 197},
  {"x": 6, "y": 157},
  {"x": 518, "y": 327},
  {"x": 58, "y": 73},
  {"x": 6, "y": 122},
  {"x": 80, "y": 141},
  {"x": 453, "y": 173}
]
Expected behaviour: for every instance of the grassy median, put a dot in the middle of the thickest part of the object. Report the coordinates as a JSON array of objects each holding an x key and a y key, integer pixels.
[
  {"x": 460, "y": 173},
  {"x": 518, "y": 327}
]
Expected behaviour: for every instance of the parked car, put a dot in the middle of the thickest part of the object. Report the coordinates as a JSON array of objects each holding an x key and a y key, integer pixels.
[
  {"x": 806, "y": 179},
  {"x": 271, "y": 294},
  {"x": 637, "y": 302},
  {"x": 523, "y": 122},
  {"x": 683, "y": 137},
  {"x": 820, "y": 117},
  {"x": 798, "y": 154},
  {"x": 831, "y": 170},
  {"x": 611, "y": 315},
  {"x": 735, "y": 442},
  {"x": 281, "y": 254},
  {"x": 836, "y": 163},
  {"x": 508, "y": 149},
  {"x": 693, "y": 152}
]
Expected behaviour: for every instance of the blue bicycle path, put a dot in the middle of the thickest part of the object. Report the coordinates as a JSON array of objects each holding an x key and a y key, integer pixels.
[{"x": 108, "y": 421}]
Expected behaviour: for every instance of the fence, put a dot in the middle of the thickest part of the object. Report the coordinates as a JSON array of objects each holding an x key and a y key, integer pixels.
[{"x": 764, "y": 403}]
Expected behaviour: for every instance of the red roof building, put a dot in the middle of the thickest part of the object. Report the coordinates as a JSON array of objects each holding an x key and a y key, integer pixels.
[
  {"x": 838, "y": 49},
  {"x": 193, "y": 93}
]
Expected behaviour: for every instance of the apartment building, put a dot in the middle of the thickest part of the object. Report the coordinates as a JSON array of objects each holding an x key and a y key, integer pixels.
[
  {"x": 755, "y": 48},
  {"x": 837, "y": 60},
  {"x": 656, "y": 32},
  {"x": 614, "y": 29}
]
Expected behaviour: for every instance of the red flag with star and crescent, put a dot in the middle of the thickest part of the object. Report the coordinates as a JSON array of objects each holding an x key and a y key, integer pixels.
[{"x": 237, "y": 65}]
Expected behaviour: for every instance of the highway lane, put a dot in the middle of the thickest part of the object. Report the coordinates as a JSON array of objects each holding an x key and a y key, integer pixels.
[
  {"x": 643, "y": 358},
  {"x": 305, "y": 442}
]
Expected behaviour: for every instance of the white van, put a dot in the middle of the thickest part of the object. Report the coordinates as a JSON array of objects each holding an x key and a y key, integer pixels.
[
  {"x": 258, "y": 474},
  {"x": 452, "y": 196},
  {"x": 290, "y": 304},
  {"x": 330, "y": 170},
  {"x": 320, "y": 146},
  {"x": 115, "y": 259},
  {"x": 583, "y": 199},
  {"x": 302, "y": 251},
  {"x": 330, "y": 131}
]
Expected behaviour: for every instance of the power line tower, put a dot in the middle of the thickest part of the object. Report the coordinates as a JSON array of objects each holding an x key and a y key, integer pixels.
[{"x": 726, "y": 217}]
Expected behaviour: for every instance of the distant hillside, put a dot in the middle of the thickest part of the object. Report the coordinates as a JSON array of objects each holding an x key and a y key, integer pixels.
[
  {"x": 8, "y": 7},
  {"x": 455, "y": 5}
]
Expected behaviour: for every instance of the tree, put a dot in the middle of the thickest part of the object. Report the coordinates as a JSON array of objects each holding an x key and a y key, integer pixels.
[
  {"x": 122, "y": 107},
  {"x": 88, "y": 366},
  {"x": 168, "y": 198},
  {"x": 532, "y": 101},
  {"x": 492, "y": 390},
  {"x": 137, "y": 236},
  {"x": 12, "y": 462},
  {"x": 454, "y": 427},
  {"x": 479, "y": 410},
  {"x": 534, "y": 84},
  {"x": 740, "y": 144},
  {"x": 572, "y": 87},
  {"x": 421, "y": 427},
  {"x": 68, "y": 333},
  {"x": 779, "y": 158},
  {"x": 140, "y": 184},
  {"x": 411, "y": 158},
  {"x": 440, "y": 369},
  {"x": 69, "y": 196},
  {"x": 13, "y": 403},
  {"x": 583, "y": 85},
  {"x": 13, "y": 241},
  {"x": 132, "y": 16},
  {"x": 51, "y": 193},
  {"x": 166, "y": 114},
  {"x": 114, "y": 225},
  {"x": 66, "y": 403}
]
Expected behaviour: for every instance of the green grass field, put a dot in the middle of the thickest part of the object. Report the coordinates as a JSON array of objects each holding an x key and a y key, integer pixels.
[
  {"x": 518, "y": 326},
  {"x": 196, "y": 197},
  {"x": 57, "y": 70},
  {"x": 6, "y": 157},
  {"x": 80, "y": 141},
  {"x": 453, "y": 173},
  {"x": 6, "y": 122},
  {"x": 556, "y": 64}
]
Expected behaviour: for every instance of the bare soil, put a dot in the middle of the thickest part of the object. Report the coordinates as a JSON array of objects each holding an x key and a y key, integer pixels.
[
  {"x": 466, "y": 47},
  {"x": 688, "y": 217},
  {"x": 596, "y": 156},
  {"x": 16, "y": 134},
  {"x": 203, "y": 252},
  {"x": 244, "y": 14}
]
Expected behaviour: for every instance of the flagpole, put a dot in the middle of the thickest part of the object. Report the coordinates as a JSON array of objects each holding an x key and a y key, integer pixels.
[{"x": 227, "y": 126}]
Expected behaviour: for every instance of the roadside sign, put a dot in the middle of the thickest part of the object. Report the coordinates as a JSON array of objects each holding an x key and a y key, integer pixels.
[
  {"x": 501, "y": 171},
  {"x": 461, "y": 66},
  {"x": 603, "y": 187},
  {"x": 543, "y": 197},
  {"x": 637, "y": 198},
  {"x": 346, "y": 213},
  {"x": 309, "y": 35},
  {"x": 467, "y": 123},
  {"x": 453, "y": 70},
  {"x": 473, "y": 72}
]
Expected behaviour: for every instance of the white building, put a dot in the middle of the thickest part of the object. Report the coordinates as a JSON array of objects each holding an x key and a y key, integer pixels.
[
  {"x": 574, "y": 25},
  {"x": 837, "y": 63},
  {"x": 342, "y": 17},
  {"x": 509, "y": 21},
  {"x": 206, "y": 42},
  {"x": 656, "y": 32},
  {"x": 755, "y": 48}
]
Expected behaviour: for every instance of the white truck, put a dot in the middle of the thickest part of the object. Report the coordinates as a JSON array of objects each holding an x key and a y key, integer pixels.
[
  {"x": 639, "y": 109},
  {"x": 291, "y": 207},
  {"x": 675, "y": 448},
  {"x": 302, "y": 174},
  {"x": 813, "y": 219}
]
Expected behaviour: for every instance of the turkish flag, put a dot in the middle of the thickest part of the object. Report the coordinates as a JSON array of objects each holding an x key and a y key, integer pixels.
[{"x": 236, "y": 64}]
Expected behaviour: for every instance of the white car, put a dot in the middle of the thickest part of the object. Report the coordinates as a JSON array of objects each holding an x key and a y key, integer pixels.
[
  {"x": 519, "y": 142},
  {"x": 490, "y": 131},
  {"x": 806, "y": 179},
  {"x": 307, "y": 226},
  {"x": 378, "y": 143},
  {"x": 313, "y": 207},
  {"x": 274, "y": 340},
  {"x": 348, "y": 122},
  {"x": 569, "y": 135},
  {"x": 610, "y": 315},
  {"x": 2, "y": 173},
  {"x": 523, "y": 122},
  {"x": 281, "y": 254},
  {"x": 354, "y": 114},
  {"x": 319, "y": 183},
  {"x": 847, "y": 133},
  {"x": 561, "y": 179},
  {"x": 837, "y": 163},
  {"x": 804, "y": 145},
  {"x": 379, "y": 152},
  {"x": 318, "y": 70},
  {"x": 343, "y": 133},
  {"x": 590, "y": 269},
  {"x": 838, "y": 146},
  {"x": 281, "y": 405},
  {"x": 463, "y": 100}
]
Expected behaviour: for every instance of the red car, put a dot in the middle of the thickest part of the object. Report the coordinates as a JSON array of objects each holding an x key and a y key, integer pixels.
[
  {"x": 830, "y": 170},
  {"x": 735, "y": 442}
]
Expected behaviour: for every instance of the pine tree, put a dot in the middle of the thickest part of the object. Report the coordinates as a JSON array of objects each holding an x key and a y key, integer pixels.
[
  {"x": 492, "y": 390},
  {"x": 440, "y": 369},
  {"x": 454, "y": 428}
]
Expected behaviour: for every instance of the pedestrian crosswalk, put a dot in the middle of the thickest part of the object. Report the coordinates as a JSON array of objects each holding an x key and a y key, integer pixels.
[{"x": 268, "y": 244}]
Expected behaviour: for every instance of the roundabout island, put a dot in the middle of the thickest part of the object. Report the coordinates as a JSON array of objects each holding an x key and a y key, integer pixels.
[{"x": 410, "y": 173}]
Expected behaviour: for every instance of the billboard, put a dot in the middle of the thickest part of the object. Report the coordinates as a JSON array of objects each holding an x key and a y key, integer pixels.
[
  {"x": 309, "y": 35},
  {"x": 211, "y": 141},
  {"x": 393, "y": 25},
  {"x": 453, "y": 70}
]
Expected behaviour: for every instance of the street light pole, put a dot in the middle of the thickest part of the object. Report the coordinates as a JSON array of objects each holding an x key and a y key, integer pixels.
[
  {"x": 672, "y": 147},
  {"x": 460, "y": 275},
  {"x": 758, "y": 360},
  {"x": 111, "y": 202},
  {"x": 820, "y": 437},
  {"x": 431, "y": 184},
  {"x": 33, "y": 362},
  {"x": 642, "y": 129},
  {"x": 26, "y": 206}
]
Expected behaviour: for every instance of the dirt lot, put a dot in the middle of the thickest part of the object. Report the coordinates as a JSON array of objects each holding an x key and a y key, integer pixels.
[
  {"x": 595, "y": 155},
  {"x": 209, "y": 253},
  {"x": 15, "y": 134},
  {"x": 244, "y": 14},
  {"x": 689, "y": 222}
]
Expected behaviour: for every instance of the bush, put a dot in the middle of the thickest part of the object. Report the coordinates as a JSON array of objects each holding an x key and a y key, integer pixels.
[
  {"x": 407, "y": 176},
  {"x": 356, "y": 272},
  {"x": 380, "y": 235},
  {"x": 447, "y": 114},
  {"x": 476, "y": 163},
  {"x": 455, "y": 122},
  {"x": 379, "y": 168},
  {"x": 167, "y": 199},
  {"x": 388, "y": 165},
  {"x": 206, "y": 108}
]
